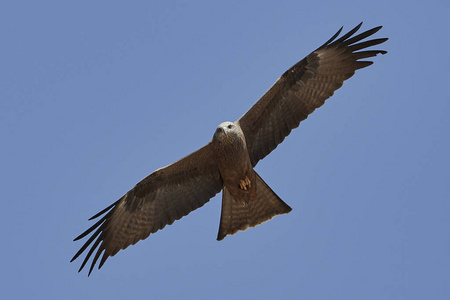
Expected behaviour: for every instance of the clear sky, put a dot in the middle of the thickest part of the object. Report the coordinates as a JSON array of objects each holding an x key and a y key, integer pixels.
[{"x": 96, "y": 95}]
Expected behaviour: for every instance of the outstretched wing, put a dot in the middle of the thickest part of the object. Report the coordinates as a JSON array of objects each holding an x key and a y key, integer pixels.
[
  {"x": 159, "y": 199},
  {"x": 303, "y": 88}
]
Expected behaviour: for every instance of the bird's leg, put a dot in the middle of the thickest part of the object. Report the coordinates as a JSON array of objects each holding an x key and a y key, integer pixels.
[{"x": 245, "y": 184}]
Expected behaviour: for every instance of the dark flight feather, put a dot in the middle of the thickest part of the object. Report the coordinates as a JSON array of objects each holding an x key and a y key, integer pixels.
[
  {"x": 158, "y": 200},
  {"x": 174, "y": 191},
  {"x": 303, "y": 88}
]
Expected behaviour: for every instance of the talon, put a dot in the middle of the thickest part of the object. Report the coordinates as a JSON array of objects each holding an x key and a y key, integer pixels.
[
  {"x": 242, "y": 185},
  {"x": 248, "y": 182},
  {"x": 245, "y": 184}
]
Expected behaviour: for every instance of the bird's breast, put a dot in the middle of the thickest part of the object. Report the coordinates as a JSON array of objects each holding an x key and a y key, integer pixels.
[{"x": 235, "y": 167}]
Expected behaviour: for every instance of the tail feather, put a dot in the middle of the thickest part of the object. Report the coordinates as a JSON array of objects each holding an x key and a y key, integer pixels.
[{"x": 237, "y": 216}]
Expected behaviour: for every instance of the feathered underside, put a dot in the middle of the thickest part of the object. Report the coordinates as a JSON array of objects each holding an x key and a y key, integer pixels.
[
  {"x": 158, "y": 200},
  {"x": 174, "y": 191},
  {"x": 303, "y": 88}
]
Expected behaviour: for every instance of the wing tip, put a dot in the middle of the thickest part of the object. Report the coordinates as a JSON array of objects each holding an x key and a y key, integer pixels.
[
  {"x": 348, "y": 37},
  {"x": 95, "y": 238}
]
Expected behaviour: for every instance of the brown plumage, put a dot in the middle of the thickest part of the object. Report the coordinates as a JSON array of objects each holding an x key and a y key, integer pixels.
[{"x": 226, "y": 163}]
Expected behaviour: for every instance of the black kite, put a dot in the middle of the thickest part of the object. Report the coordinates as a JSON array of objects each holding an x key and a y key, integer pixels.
[{"x": 227, "y": 162}]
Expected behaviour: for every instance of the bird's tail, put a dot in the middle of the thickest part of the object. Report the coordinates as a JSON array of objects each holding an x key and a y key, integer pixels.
[{"x": 240, "y": 216}]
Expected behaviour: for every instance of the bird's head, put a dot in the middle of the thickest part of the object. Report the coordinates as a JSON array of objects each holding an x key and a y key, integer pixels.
[{"x": 227, "y": 130}]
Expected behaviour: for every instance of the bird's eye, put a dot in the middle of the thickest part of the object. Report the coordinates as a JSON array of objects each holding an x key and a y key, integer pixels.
[{"x": 229, "y": 126}]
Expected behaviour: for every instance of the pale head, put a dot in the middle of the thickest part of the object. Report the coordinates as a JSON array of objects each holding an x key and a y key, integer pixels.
[{"x": 228, "y": 130}]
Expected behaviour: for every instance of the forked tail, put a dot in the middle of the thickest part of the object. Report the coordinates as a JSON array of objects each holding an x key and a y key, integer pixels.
[{"x": 238, "y": 216}]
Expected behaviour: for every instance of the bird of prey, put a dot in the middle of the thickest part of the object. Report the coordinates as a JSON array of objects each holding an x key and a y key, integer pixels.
[{"x": 227, "y": 162}]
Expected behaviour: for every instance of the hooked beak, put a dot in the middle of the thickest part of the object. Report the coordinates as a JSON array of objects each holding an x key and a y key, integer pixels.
[{"x": 223, "y": 130}]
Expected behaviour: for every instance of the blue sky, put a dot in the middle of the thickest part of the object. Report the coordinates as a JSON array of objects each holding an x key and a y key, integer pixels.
[{"x": 95, "y": 96}]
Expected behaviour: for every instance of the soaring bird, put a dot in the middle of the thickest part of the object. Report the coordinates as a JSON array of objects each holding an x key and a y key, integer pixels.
[{"x": 227, "y": 162}]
